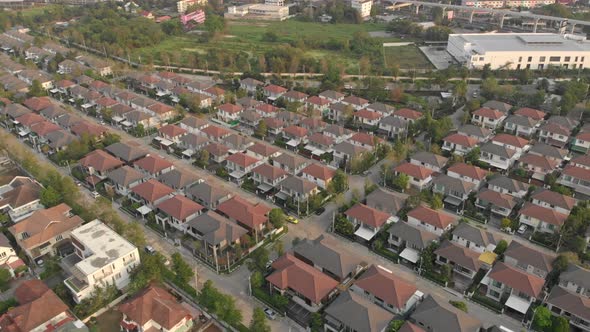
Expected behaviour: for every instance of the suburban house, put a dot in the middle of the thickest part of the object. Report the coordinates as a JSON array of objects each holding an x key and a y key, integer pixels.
[
  {"x": 481, "y": 134},
  {"x": 58, "y": 140},
  {"x": 318, "y": 145},
  {"x": 193, "y": 124},
  {"x": 237, "y": 143},
  {"x": 229, "y": 112},
  {"x": 434, "y": 221},
  {"x": 550, "y": 152},
  {"x": 498, "y": 105},
  {"x": 381, "y": 108},
  {"x": 123, "y": 179},
  {"x": 239, "y": 165},
  {"x": 192, "y": 143},
  {"x": 267, "y": 177},
  {"x": 38, "y": 309},
  {"x": 468, "y": 173},
  {"x": 538, "y": 166},
  {"x": 128, "y": 152},
  {"x": 576, "y": 175},
  {"x": 429, "y": 160},
  {"x": 317, "y": 103},
  {"x": 556, "y": 131},
  {"x": 340, "y": 111},
  {"x": 217, "y": 152},
  {"x": 263, "y": 151},
  {"x": 459, "y": 144},
  {"x": 274, "y": 126},
  {"x": 367, "y": 220},
  {"x": 505, "y": 185},
  {"x": 318, "y": 174},
  {"x": 367, "y": 316},
  {"x": 462, "y": 260},
  {"x": 293, "y": 96},
  {"x": 266, "y": 110},
  {"x": 293, "y": 164},
  {"x": 9, "y": 259},
  {"x": 338, "y": 133},
  {"x": 455, "y": 191},
  {"x": 273, "y": 92},
  {"x": 215, "y": 133},
  {"x": 520, "y": 288},
  {"x": 323, "y": 254},
  {"x": 385, "y": 200},
  {"x": 488, "y": 118},
  {"x": 388, "y": 290},
  {"x": 498, "y": 156},
  {"x": 20, "y": 198},
  {"x": 100, "y": 256},
  {"x": 541, "y": 219},
  {"x": 474, "y": 238},
  {"x": 171, "y": 132},
  {"x": 253, "y": 217},
  {"x": 366, "y": 118},
  {"x": 392, "y": 126},
  {"x": 496, "y": 202},
  {"x": 581, "y": 143},
  {"x": 408, "y": 240},
  {"x": 331, "y": 96},
  {"x": 250, "y": 85},
  {"x": 419, "y": 176},
  {"x": 345, "y": 152},
  {"x": 207, "y": 195},
  {"x": 528, "y": 259},
  {"x": 179, "y": 180},
  {"x": 407, "y": 114},
  {"x": 150, "y": 193},
  {"x": 97, "y": 164},
  {"x": 46, "y": 232},
  {"x": 153, "y": 166},
  {"x": 297, "y": 189},
  {"x": 155, "y": 308},
  {"x": 434, "y": 314},
  {"x": 177, "y": 211},
  {"x": 293, "y": 277},
  {"x": 294, "y": 135},
  {"x": 521, "y": 125},
  {"x": 357, "y": 103},
  {"x": 553, "y": 200},
  {"x": 570, "y": 297}
]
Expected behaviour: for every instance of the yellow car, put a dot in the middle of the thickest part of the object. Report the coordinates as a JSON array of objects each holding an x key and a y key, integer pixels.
[{"x": 292, "y": 220}]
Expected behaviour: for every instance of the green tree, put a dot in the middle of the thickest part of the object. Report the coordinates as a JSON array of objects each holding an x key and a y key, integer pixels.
[
  {"x": 459, "y": 305},
  {"x": 5, "y": 278},
  {"x": 395, "y": 325},
  {"x": 560, "y": 324},
  {"x": 542, "y": 321},
  {"x": 226, "y": 310},
  {"x": 259, "y": 259},
  {"x": 339, "y": 182},
  {"x": 473, "y": 156},
  {"x": 437, "y": 202},
  {"x": 50, "y": 197},
  {"x": 202, "y": 158},
  {"x": 277, "y": 217},
  {"x": 261, "y": 130},
  {"x": 317, "y": 322},
  {"x": 257, "y": 279},
  {"x": 279, "y": 247},
  {"x": 181, "y": 269},
  {"x": 36, "y": 90},
  {"x": 258, "y": 322},
  {"x": 401, "y": 181},
  {"x": 501, "y": 247}
]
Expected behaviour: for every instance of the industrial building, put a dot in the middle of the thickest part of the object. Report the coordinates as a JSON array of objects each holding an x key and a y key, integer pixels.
[{"x": 520, "y": 50}]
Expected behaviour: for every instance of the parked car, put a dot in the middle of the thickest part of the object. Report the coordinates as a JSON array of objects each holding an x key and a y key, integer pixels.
[
  {"x": 95, "y": 194},
  {"x": 270, "y": 313},
  {"x": 522, "y": 229},
  {"x": 292, "y": 220},
  {"x": 150, "y": 250}
]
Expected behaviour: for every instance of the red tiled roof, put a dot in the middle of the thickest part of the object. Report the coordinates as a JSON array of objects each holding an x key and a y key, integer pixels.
[
  {"x": 230, "y": 108},
  {"x": 215, "y": 91},
  {"x": 410, "y": 327},
  {"x": 87, "y": 128},
  {"x": 461, "y": 140},
  {"x": 97, "y": 85},
  {"x": 515, "y": 278},
  {"x": 160, "y": 108},
  {"x": 408, "y": 113},
  {"x": 242, "y": 159},
  {"x": 251, "y": 215},
  {"x": 502, "y": 200},
  {"x": 171, "y": 130},
  {"x": 369, "y": 115},
  {"x": 263, "y": 149},
  {"x": 539, "y": 161},
  {"x": 581, "y": 161},
  {"x": 512, "y": 140},
  {"x": 293, "y": 273},
  {"x": 295, "y": 95},
  {"x": 274, "y": 123},
  {"x": 584, "y": 136},
  {"x": 367, "y": 215},
  {"x": 37, "y": 103},
  {"x": 432, "y": 217},
  {"x": 530, "y": 113},
  {"x": 44, "y": 127},
  {"x": 366, "y": 139},
  {"x": 318, "y": 101},
  {"x": 152, "y": 190},
  {"x": 319, "y": 172},
  {"x": 556, "y": 128},
  {"x": 544, "y": 214},
  {"x": 470, "y": 171},
  {"x": 30, "y": 119},
  {"x": 215, "y": 131},
  {"x": 415, "y": 171},
  {"x": 180, "y": 207},
  {"x": 64, "y": 83},
  {"x": 489, "y": 113},
  {"x": 106, "y": 101},
  {"x": 266, "y": 108},
  {"x": 275, "y": 89},
  {"x": 153, "y": 163},
  {"x": 320, "y": 138},
  {"x": 355, "y": 100},
  {"x": 100, "y": 161},
  {"x": 295, "y": 131},
  {"x": 269, "y": 172},
  {"x": 577, "y": 172},
  {"x": 390, "y": 288}
]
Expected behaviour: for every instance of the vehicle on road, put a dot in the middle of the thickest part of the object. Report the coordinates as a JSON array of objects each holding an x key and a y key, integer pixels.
[
  {"x": 292, "y": 220},
  {"x": 150, "y": 250},
  {"x": 271, "y": 314},
  {"x": 95, "y": 194}
]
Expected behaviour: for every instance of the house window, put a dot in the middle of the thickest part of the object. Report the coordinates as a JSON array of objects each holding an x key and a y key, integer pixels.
[
  {"x": 530, "y": 59},
  {"x": 542, "y": 59},
  {"x": 567, "y": 59},
  {"x": 520, "y": 59},
  {"x": 554, "y": 58}
]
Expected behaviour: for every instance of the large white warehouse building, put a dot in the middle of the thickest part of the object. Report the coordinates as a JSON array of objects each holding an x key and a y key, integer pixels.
[{"x": 519, "y": 50}]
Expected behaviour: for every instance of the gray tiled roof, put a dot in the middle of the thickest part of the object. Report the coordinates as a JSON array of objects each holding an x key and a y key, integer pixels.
[
  {"x": 385, "y": 201},
  {"x": 178, "y": 179},
  {"x": 474, "y": 234},
  {"x": 323, "y": 253},
  {"x": 576, "y": 274},
  {"x": 440, "y": 316},
  {"x": 505, "y": 182},
  {"x": 358, "y": 313},
  {"x": 414, "y": 237}
]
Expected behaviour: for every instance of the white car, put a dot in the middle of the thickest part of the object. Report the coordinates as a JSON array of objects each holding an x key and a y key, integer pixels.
[
  {"x": 270, "y": 313},
  {"x": 95, "y": 194},
  {"x": 522, "y": 229}
]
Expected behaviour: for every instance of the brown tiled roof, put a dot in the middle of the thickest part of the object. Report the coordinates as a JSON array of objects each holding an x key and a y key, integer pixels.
[
  {"x": 216, "y": 149},
  {"x": 275, "y": 89},
  {"x": 554, "y": 198},
  {"x": 544, "y": 214},
  {"x": 242, "y": 159},
  {"x": 576, "y": 304},
  {"x": 171, "y": 130},
  {"x": 153, "y": 163},
  {"x": 392, "y": 289},
  {"x": 410, "y": 327},
  {"x": 266, "y": 108},
  {"x": 160, "y": 108},
  {"x": 512, "y": 140},
  {"x": 367, "y": 215},
  {"x": 230, "y": 108},
  {"x": 44, "y": 127},
  {"x": 152, "y": 190},
  {"x": 215, "y": 131},
  {"x": 215, "y": 91},
  {"x": 25, "y": 190},
  {"x": 106, "y": 101},
  {"x": 498, "y": 199},
  {"x": 459, "y": 255},
  {"x": 295, "y": 95},
  {"x": 577, "y": 172},
  {"x": 317, "y": 101},
  {"x": 320, "y": 138},
  {"x": 530, "y": 113},
  {"x": 155, "y": 304},
  {"x": 521, "y": 281},
  {"x": 366, "y": 114},
  {"x": 251, "y": 215},
  {"x": 489, "y": 113},
  {"x": 85, "y": 127},
  {"x": 37, "y": 103},
  {"x": 581, "y": 161},
  {"x": 319, "y": 171},
  {"x": 539, "y": 161},
  {"x": 263, "y": 149},
  {"x": 295, "y": 131},
  {"x": 415, "y": 171},
  {"x": 433, "y": 217},
  {"x": 274, "y": 123},
  {"x": 470, "y": 171},
  {"x": 269, "y": 172},
  {"x": 408, "y": 114},
  {"x": 180, "y": 207},
  {"x": 556, "y": 129},
  {"x": 355, "y": 100},
  {"x": 38, "y": 305},
  {"x": 29, "y": 119},
  {"x": 100, "y": 161},
  {"x": 366, "y": 139},
  {"x": 462, "y": 140},
  {"x": 46, "y": 224},
  {"x": 293, "y": 273}
]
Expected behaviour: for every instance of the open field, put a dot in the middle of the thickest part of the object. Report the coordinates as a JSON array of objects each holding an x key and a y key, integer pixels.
[
  {"x": 408, "y": 57},
  {"x": 249, "y": 37}
]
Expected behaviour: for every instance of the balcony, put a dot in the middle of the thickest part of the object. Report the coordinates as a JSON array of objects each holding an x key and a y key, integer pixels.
[{"x": 75, "y": 285}]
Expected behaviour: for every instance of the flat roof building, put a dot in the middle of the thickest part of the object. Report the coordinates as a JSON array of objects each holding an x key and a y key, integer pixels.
[
  {"x": 258, "y": 11},
  {"x": 520, "y": 50}
]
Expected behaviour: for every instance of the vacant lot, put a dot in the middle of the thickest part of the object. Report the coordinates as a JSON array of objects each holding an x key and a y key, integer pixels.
[{"x": 408, "y": 57}]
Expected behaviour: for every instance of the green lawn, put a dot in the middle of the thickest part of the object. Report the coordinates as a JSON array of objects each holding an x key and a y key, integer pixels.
[{"x": 409, "y": 57}]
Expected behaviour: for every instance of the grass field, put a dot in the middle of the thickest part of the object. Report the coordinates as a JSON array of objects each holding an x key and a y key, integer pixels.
[
  {"x": 408, "y": 57},
  {"x": 247, "y": 36}
]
